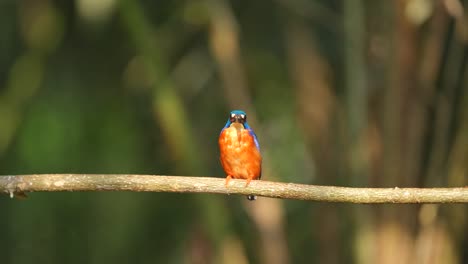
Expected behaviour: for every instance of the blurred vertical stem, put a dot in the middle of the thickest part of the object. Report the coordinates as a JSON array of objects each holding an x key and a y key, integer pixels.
[
  {"x": 356, "y": 105},
  {"x": 452, "y": 78},
  {"x": 392, "y": 104},
  {"x": 41, "y": 32},
  {"x": 458, "y": 164},
  {"x": 317, "y": 105},
  {"x": 172, "y": 118},
  {"x": 167, "y": 106},
  {"x": 458, "y": 158},
  {"x": 24, "y": 80},
  {"x": 394, "y": 226},
  {"x": 355, "y": 70},
  {"x": 432, "y": 50},
  {"x": 41, "y": 28},
  {"x": 226, "y": 48}
]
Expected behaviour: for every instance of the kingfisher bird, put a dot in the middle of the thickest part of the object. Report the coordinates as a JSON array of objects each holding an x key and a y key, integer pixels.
[{"x": 239, "y": 150}]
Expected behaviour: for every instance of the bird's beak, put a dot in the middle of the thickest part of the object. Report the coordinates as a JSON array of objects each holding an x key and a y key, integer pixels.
[{"x": 237, "y": 119}]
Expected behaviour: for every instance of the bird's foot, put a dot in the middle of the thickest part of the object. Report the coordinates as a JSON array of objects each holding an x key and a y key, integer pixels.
[
  {"x": 228, "y": 178},
  {"x": 248, "y": 182}
]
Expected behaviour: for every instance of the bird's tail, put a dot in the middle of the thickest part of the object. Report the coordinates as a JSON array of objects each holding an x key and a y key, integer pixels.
[{"x": 251, "y": 197}]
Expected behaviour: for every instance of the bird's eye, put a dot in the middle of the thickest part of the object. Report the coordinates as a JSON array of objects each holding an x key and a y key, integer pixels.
[
  {"x": 243, "y": 117},
  {"x": 233, "y": 115}
]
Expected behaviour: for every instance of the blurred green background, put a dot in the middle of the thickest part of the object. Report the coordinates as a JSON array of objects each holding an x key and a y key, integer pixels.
[{"x": 349, "y": 93}]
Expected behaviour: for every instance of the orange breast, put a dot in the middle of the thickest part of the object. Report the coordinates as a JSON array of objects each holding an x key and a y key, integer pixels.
[{"x": 240, "y": 157}]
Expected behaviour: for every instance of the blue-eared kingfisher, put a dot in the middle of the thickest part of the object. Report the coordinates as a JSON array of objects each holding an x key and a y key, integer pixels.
[{"x": 239, "y": 150}]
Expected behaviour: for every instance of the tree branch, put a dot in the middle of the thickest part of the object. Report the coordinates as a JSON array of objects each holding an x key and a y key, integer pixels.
[{"x": 157, "y": 183}]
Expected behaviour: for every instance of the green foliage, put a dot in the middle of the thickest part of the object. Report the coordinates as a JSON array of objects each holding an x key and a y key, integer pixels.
[{"x": 338, "y": 94}]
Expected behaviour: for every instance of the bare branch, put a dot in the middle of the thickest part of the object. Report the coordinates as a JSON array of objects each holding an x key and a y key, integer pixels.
[{"x": 180, "y": 184}]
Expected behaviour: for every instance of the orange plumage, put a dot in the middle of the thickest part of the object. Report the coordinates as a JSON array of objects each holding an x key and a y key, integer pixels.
[{"x": 239, "y": 150}]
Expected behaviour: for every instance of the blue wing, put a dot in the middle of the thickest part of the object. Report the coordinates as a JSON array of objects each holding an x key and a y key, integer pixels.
[
  {"x": 228, "y": 123},
  {"x": 252, "y": 133}
]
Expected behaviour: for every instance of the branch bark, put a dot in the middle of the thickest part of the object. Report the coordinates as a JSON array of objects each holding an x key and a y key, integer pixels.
[{"x": 157, "y": 183}]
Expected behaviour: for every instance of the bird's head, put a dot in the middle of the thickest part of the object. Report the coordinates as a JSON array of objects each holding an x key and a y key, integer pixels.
[{"x": 237, "y": 118}]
